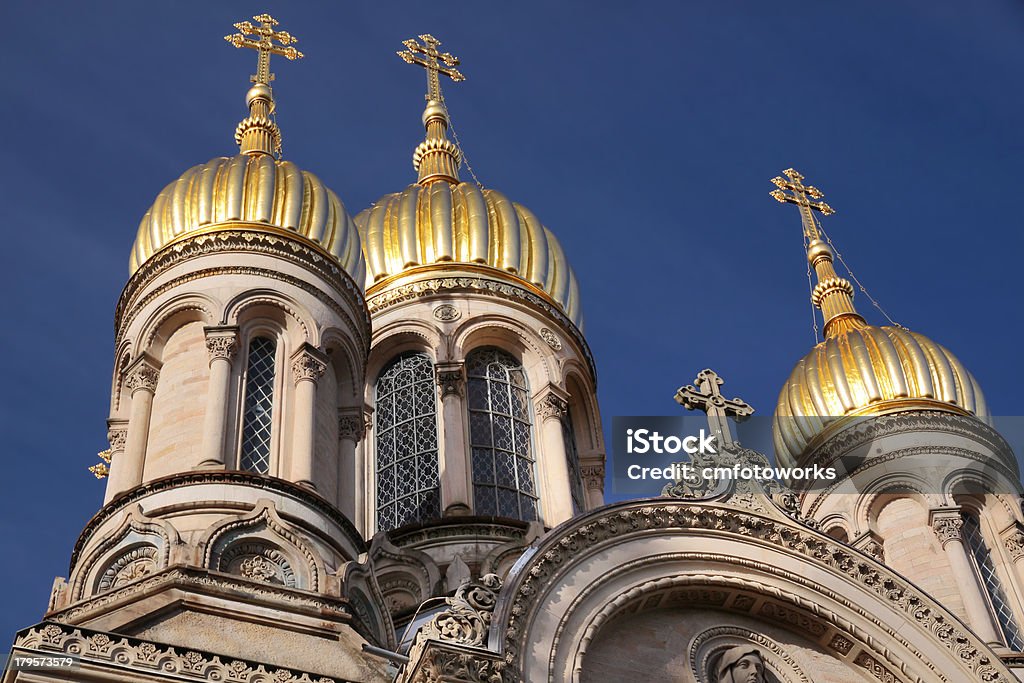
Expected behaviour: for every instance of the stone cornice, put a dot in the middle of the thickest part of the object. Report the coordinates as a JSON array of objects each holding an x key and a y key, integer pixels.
[
  {"x": 296, "y": 250},
  {"x": 196, "y": 478},
  {"x": 482, "y": 528},
  {"x": 640, "y": 518},
  {"x": 108, "y": 649},
  {"x": 479, "y": 284}
]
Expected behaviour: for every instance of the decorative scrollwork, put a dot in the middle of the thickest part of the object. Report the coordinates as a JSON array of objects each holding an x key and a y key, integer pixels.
[{"x": 468, "y": 618}]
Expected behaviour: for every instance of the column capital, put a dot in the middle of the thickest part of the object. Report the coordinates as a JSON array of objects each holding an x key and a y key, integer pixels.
[
  {"x": 946, "y": 523},
  {"x": 593, "y": 477},
  {"x": 870, "y": 543},
  {"x": 552, "y": 403},
  {"x": 143, "y": 374},
  {"x": 308, "y": 363},
  {"x": 117, "y": 434},
  {"x": 1013, "y": 539},
  {"x": 451, "y": 378},
  {"x": 351, "y": 424},
  {"x": 221, "y": 342}
]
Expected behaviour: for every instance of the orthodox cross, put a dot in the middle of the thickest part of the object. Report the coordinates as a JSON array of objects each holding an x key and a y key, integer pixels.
[
  {"x": 432, "y": 61},
  {"x": 706, "y": 396},
  {"x": 799, "y": 197},
  {"x": 262, "y": 40}
]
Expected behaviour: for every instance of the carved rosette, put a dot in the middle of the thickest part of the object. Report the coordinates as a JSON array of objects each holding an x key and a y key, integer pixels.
[
  {"x": 351, "y": 427},
  {"x": 129, "y": 566},
  {"x": 143, "y": 375},
  {"x": 306, "y": 366},
  {"x": 221, "y": 344},
  {"x": 258, "y": 562},
  {"x": 947, "y": 529},
  {"x": 593, "y": 477},
  {"x": 450, "y": 381},
  {"x": 447, "y": 313},
  {"x": 550, "y": 338},
  {"x": 552, "y": 407}
]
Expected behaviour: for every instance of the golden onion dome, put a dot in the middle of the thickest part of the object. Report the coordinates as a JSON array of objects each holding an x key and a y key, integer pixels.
[
  {"x": 444, "y": 223},
  {"x": 251, "y": 191},
  {"x": 868, "y": 370},
  {"x": 860, "y": 369}
]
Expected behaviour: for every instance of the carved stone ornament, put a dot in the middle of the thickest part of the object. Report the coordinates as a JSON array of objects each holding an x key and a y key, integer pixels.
[
  {"x": 552, "y": 406},
  {"x": 450, "y": 382},
  {"x": 129, "y": 566},
  {"x": 550, "y": 339},
  {"x": 947, "y": 529},
  {"x": 447, "y": 313},
  {"x": 351, "y": 427},
  {"x": 307, "y": 366},
  {"x": 1015, "y": 544},
  {"x": 468, "y": 617},
  {"x": 142, "y": 376},
  {"x": 593, "y": 477},
  {"x": 117, "y": 436},
  {"x": 221, "y": 344}
]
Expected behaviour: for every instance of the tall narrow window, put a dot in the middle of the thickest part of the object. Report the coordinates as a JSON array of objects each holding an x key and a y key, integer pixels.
[
  {"x": 259, "y": 405},
  {"x": 408, "y": 478},
  {"x": 983, "y": 561},
  {"x": 499, "y": 432},
  {"x": 575, "y": 472}
]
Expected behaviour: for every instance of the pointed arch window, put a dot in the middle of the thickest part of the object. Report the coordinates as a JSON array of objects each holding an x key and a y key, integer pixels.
[
  {"x": 257, "y": 417},
  {"x": 499, "y": 430},
  {"x": 979, "y": 551},
  {"x": 405, "y": 414}
]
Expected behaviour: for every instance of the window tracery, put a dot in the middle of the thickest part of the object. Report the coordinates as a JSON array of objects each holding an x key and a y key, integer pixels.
[{"x": 257, "y": 418}]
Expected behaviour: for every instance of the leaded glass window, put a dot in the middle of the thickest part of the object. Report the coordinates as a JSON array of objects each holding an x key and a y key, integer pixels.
[
  {"x": 259, "y": 405},
  {"x": 408, "y": 480},
  {"x": 575, "y": 472},
  {"x": 499, "y": 432},
  {"x": 983, "y": 561}
]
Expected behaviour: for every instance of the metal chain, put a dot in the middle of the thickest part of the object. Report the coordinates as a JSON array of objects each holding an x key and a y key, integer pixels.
[
  {"x": 455, "y": 134},
  {"x": 863, "y": 289}
]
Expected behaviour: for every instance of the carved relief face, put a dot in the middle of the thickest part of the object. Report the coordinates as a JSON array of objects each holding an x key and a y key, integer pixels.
[{"x": 749, "y": 669}]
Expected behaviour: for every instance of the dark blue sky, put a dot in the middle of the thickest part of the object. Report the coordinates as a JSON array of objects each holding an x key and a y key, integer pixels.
[{"x": 644, "y": 137}]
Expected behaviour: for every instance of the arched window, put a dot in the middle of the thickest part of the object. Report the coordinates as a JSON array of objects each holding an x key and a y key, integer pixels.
[
  {"x": 986, "y": 570},
  {"x": 572, "y": 454},
  {"x": 259, "y": 405},
  {"x": 499, "y": 434},
  {"x": 406, "y": 437}
]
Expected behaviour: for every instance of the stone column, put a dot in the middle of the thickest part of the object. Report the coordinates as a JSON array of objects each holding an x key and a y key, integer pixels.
[
  {"x": 126, "y": 472},
  {"x": 948, "y": 525},
  {"x": 221, "y": 342},
  {"x": 350, "y": 433},
  {"x": 456, "y": 481},
  {"x": 365, "y": 500},
  {"x": 117, "y": 435},
  {"x": 308, "y": 366},
  {"x": 593, "y": 485},
  {"x": 552, "y": 409}
]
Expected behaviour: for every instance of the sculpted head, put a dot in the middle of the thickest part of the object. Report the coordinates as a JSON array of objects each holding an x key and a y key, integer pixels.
[{"x": 741, "y": 664}]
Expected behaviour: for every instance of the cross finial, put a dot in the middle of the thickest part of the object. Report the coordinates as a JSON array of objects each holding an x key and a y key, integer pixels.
[
  {"x": 799, "y": 197},
  {"x": 262, "y": 40},
  {"x": 433, "y": 62},
  {"x": 707, "y": 396}
]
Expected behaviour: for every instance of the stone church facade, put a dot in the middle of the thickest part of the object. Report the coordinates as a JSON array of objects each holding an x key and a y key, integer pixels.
[{"x": 370, "y": 449}]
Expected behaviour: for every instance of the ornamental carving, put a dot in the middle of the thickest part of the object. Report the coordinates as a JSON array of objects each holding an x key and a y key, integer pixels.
[
  {"x": 351, "y": 427},
  {"x": 130, "y": 566},
  {"x": 450, "y": 382},
  {"x": 593, "y": 477},
  {"x": 258, "y": 562},
  {"x": 306, "y": 366},
  {"x": 1015, "y": 544},
  {"x": 552, "y": 407},
  {"x": 447, "y": 313},
  {"x": 875, "y": 668},
  {"x": 221, "y": 345},
  {"x": 117, "y": 437},
  {"x": 718, "y": 650},
  {"x": 468, "y": 617},
  {"x": 444, "y": 665},
  {"x": 142, "y": 376},
  {"x": 550, "y": 339},
  {"x": 947, "y": 529}
]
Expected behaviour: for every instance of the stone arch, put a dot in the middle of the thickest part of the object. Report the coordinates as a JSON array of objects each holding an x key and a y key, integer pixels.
[
  {"x": 394, "y": 341},
  {"x": 171, "y": 315},
  {"x": 983, "y": 490},
  {"x": 868, "y": 616},
  {"x": 253, "y": 304},
  {"x": 347, "y": 363},
  {"x": 274, "y": 550},
  {"x": 885, "y": 490},
  {"x": 837, "y": 526},
  {"x": 139, "y": 546},
  {"x": 583, "y": 404},
  {"x": 122, "y": 359},
  {"x": 511, "y": 336}
]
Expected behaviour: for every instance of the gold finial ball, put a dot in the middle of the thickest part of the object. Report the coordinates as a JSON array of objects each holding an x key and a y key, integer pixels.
[
  {"x": 818, "y": 249},
  {"x": 434, "y": 110},
  {"x": 259, "y": 91}
]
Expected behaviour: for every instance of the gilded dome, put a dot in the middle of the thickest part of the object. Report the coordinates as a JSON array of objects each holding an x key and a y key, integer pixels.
[
  {"x": 254, "y": 192},
  {"x": 445, "y": 223},
  {"x": 869, "y": 370}
]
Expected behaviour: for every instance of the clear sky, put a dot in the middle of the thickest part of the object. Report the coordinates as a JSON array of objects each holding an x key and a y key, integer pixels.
[{"x": 643, "y": 134}]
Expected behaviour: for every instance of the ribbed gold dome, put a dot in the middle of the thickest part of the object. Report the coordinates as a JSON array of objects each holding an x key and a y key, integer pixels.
[
  {"x": 868, "y": 370},
  {"x": 446, "y": 222},
  {"x": 250, "y": 191}
]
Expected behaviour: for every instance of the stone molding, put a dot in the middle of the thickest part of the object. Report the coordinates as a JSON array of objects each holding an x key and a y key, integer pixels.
[
  {"x": 700, "y": 658},
  {"x": 221, "y": 342},
  {"x": 200, "y": 477},
  {"x": 308, "y": 363},
  {"x": 480, "y": 285},
  {"x": 641, "y": 517},
  {"x": 120, "y": 652},
  {"x": 143, "y": 374},
  {"x": 484, "y": 528}
]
